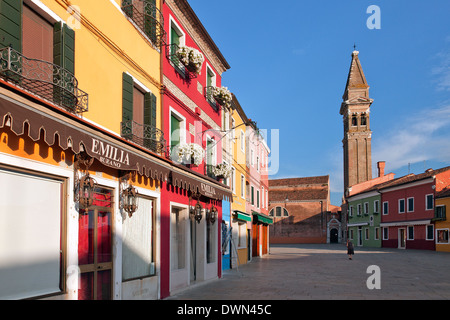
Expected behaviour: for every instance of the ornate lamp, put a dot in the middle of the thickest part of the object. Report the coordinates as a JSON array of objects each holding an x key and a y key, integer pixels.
[
  {"x": 128, "y": 196},
  {"x": 196, "y": 211},
  {"x": 212, "y": 214},
  {"x": 85, "y": 185}
]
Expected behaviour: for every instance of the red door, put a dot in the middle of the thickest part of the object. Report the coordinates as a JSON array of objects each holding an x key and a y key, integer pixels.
[{"x": 95, "y": 248}]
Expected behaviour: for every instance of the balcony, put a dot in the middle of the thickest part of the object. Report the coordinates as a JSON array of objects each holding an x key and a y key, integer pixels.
[
  {"x": 148, "y": 18},
  {"x": 210, "y": 98},
  {"x": 144, "y": 135},
  {"x": 439, "y": 213},
  {"x": 179, "y": 66},
  {"x": 44, "y": 79}
]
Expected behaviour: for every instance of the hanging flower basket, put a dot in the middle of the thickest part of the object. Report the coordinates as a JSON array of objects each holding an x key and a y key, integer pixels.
[
  {"x": 191, "y": 152},
  {"x": 191, "y": 58},
  {"x": 222, "y": 170},
  {"x": 222, "y": 96}
]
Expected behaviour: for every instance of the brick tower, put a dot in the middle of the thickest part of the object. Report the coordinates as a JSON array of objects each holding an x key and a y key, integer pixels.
[{"x": 355, "y": 110}]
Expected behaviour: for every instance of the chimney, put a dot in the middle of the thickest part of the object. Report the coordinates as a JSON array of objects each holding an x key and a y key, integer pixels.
[{"x": 380, "y": 165}]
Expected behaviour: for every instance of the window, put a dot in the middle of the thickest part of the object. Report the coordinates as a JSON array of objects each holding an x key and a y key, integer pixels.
[
  {"x": 37, "y": 36},
  {"x": 257, "y": 163},
  {"x": 442, "y": 236},
  {"x": 262, "y": 197},
  {"x": 33, "y": 222},
  {"x": 279, "y": 212},
  {"x": 366, "y": 208},
  {"x": 363, "y": 119},
  {"x": 233, "y": 180},
  {"x": 175, "y": 131},
  {"x": 410, "y": 205},
  {"x": 366, "y": 233},
  {"x": 376, "y": 235},
  {"x": 242, "y": 138},
  {"x": 178, "y": 239},
  {"x": 376, "y": 206},
  {"x": 138, "y": 242},
  {"x": 233, "y": 124},
  {"x": 430, "y": 232},
  {"x": 354, "y": 121},
  {"x": 350, "y": 234},
  {"x": 210, "y": 156},
  {"x": 385, "y": 233},
  {"x": 257, "y": 198},
  {"x": 401, "y": 205},
  {"x": 242, "y": 186},
  {"x": 429, "y": 202},
  {"x": 252, "y": 196},
  {"x": 358, "y": 209},
  {"x": 410, "y": 232},
  {"x": 385, "y": 207},
  {"x": 440, "y": 213},
  {"x": 350, "y": 211}
]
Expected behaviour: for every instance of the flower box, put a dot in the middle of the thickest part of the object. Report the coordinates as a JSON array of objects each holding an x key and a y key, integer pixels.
[
  {"x": 190, "y": 153},
  {"x": 222, "y": 96},
  {"x": 222, "y": 171},
  {"x": 191, "y": 58}
]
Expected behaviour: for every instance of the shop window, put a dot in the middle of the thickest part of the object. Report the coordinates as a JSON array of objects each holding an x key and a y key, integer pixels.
[
  {"x": 138, "y": 243},
  {"x": 33, "y": 226},
  {"x": 178, "y": 239}
]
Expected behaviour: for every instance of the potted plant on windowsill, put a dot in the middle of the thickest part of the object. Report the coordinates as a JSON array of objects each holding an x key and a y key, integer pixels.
[
  {"x": 191, "y": 58},
  {"x": 191, "y": 152},
  {"x": 222, "y": 171},
  {"x": 222, "y": 96}
]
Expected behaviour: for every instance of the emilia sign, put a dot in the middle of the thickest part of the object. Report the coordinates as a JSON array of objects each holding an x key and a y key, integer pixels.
[
  {"x": 110, "y": 155},
  {"x": 208, "y": 190}
]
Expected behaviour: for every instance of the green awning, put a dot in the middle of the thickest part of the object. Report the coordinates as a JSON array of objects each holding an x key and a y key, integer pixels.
[
  {"x": 262, "y": 217},
  {"x": 242, "y": 216}
]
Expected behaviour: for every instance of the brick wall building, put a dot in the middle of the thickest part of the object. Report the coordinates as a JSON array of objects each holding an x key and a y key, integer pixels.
[{"x": 301, "y": 210}]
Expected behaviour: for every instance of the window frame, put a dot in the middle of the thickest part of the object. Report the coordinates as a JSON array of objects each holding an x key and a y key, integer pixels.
[
  {"x": 385, "y": 207},
  {"x": 426, "y": 201},
  {"x": 408, "y": 209},
  {"x": 399, "y": 205}
]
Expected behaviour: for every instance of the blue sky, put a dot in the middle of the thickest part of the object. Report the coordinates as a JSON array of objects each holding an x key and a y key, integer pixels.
[{"x": 289, "y": 64}]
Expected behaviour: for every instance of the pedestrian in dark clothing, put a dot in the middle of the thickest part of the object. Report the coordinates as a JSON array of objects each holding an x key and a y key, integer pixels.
[{"x": 350, "y": 250}]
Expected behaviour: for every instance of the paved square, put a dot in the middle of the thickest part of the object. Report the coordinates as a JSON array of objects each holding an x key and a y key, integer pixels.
[{"x": 310, "y": 271}]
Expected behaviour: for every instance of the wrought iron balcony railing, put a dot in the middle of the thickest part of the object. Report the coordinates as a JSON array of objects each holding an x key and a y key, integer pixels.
[
  {"x": 148, "y": 18},
  {"x": 173, "y": 57},
  {"x": 210, "y": 98},
  {"x": 144, "y": 135},
  {"x": 44, "y": 79}
]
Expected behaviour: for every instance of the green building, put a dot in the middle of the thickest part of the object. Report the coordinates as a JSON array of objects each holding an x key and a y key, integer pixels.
[{"x": 364, "y": 217}]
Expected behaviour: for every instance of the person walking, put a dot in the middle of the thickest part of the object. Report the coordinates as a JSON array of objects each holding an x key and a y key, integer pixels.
[{"x": 350, "y": 249}]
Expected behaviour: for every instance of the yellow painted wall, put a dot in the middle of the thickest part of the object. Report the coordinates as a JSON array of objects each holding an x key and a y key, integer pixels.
[
  {"x": 106, "y": 45},
  {"x": 443, "y": 224},
  {"x": 238, "y": 163}
]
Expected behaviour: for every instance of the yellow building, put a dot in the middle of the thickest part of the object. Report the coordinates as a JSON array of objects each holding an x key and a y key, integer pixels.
[
  {"x": 80, "y": 110},
  {"x": 442, "y": 224},
  {"x": 240, "y": 219}
]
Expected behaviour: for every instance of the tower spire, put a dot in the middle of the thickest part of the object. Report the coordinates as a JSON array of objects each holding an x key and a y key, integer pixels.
[{"x": 355, "y": 110}]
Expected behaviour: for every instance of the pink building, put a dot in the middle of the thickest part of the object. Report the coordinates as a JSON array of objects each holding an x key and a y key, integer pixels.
[{"x": 257, "y": 185}]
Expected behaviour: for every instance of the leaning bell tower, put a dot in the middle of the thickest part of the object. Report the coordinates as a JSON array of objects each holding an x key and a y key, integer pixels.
[{"x": 355, "y": 110}]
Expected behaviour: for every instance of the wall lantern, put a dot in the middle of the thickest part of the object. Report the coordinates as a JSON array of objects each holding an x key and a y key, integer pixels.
[
  {"x": 128, "y": 195},
  {"x": 84, "y": 184},
  {"x": 212, "y": 215},
  {"x": 195, "y": 212}
]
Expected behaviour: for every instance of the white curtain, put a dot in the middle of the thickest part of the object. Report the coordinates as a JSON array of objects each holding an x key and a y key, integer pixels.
[
  {"x": 137, "y": 242},
  {"x": 30, "y": 235}
]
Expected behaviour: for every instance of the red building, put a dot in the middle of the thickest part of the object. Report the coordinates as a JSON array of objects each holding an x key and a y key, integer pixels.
[
  {"x": 191, "y": 206},
  {"x": 407, "y": 206}
]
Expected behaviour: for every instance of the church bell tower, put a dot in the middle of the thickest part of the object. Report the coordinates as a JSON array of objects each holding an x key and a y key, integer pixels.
[{"x": 357, "y": 142}]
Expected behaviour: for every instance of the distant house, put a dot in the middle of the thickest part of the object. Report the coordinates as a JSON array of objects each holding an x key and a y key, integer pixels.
[{"x": 302, "y": 211}]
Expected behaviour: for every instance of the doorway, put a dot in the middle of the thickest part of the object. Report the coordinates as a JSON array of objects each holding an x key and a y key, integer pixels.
[
  {"x": 359, "y": 236},
  {"x": 95, "y": 248},
  {"x": 334, "y": 237},
  {"x": 402, "y": 238}
]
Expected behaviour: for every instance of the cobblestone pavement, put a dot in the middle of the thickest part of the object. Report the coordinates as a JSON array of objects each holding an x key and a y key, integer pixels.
[{"x": 313, "y": 272}]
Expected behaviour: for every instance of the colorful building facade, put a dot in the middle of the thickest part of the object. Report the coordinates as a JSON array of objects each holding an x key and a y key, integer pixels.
[
  {"x": 408, "y": 209},
  {"x": 442, "y": 225},
  {"x": 69, "y": 84}
]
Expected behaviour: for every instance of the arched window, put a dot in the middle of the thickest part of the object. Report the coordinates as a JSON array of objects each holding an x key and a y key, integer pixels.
[
  {"x": 279, "y": 212},
  {"x": 354, "y": 120},
  {"x": 363, "y": 119}
]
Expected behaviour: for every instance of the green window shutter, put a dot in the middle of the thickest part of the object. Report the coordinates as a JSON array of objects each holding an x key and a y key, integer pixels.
[
  {"x": 175, "y": 38},
  {"x": 11, "y": 24},
  {"x": 127, "y": 98},
  {"x": 64, "y": 46},
  {"x": 174, "y": 131},
  {"x": 150, "y": 109}
]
